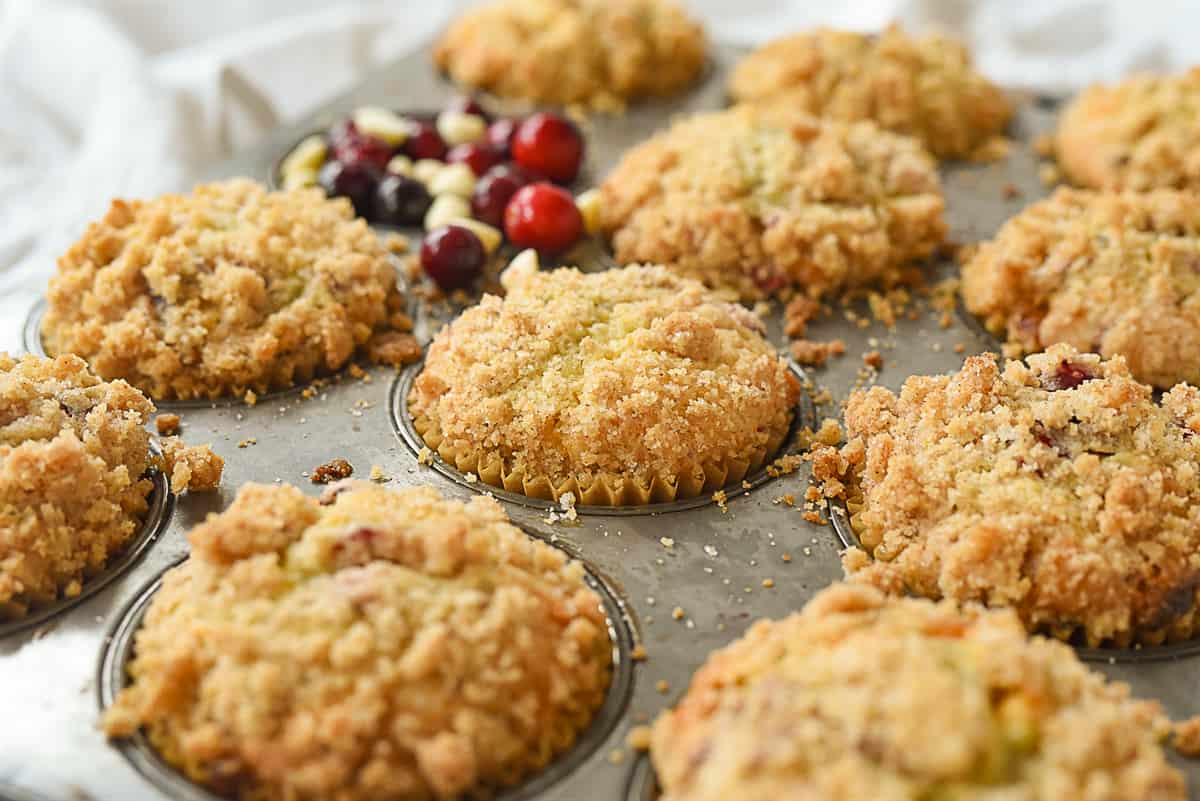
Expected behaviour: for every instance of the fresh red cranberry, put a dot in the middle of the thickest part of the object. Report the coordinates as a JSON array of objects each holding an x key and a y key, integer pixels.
[
  {"x": 468, "y": 105},
  {"x": 452, "y": 256},
  {"x": 424, "y": 143},
  {"x": 1067, "y": 376},
  {"x": 400, "y": 200},
  {"x": 500, "y": 134},
  {"x": 478, "y": 156},
  {"x": 543, "y": 216},
  {"x": 364, "y": 150},
  {"x": 355, "y": 181},
  {"x": 342, "y": 130},
  {"x": 549, "y": 145},
  {"x": 494, "y": 190}
]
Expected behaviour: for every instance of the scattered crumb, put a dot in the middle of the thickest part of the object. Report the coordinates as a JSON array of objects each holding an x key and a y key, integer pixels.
[
  {"x": 1049, "y": 174},
  {"x": 784, "y": 465},
  {"x": 797, "y": 315},
  {"x": 814, "y": 517},
  {"x": 332, "y": 471},
  {"x": 768, "y": 583},
  {"x": 677, "y": 613},
  {"x": 167, "y": 424},
  {"x": 250, "y": 399},
  {"x": 662, "y": 686},
  {"x": 425, "y": 456},
  {"x": 787, "y": 557},
  {"x": 667, "y": 542},
  {"x": 377, "y": 474},
  {"x": 873, "y": 358},
  {"x": 471, "y": 478},
  {"x": 194, "y": 468},
  {"x": 638, "y": 654},
  {"x": 1011, "y": 192},
  {"x": 639, "y": 738},
  {"x": 959, "y": 347},
  {"x": 616, "y": 756},
  {"x": 719, "y": 498},
  {"x": 815, "y": 354},
  {"x": 1187, "y": 737}
]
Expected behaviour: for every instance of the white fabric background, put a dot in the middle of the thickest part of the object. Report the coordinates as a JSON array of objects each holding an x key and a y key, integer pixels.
[{"x": 104, "y": 98}]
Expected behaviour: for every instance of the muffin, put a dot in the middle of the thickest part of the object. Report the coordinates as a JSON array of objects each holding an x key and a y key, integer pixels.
[
  {"x": 74, "y": 464},
  {"x": 386, "y": 645},
  {"x": 1107, "y": 272},
  {"x": 1142, "y": 133},
  {"x": 1058, "y": 488},
  {"x": 859, "y": 696},
  {"x": 756, "y": 199},
  {"x": 622, "y": 387},
  {"x": 596, "y": 53},
  {"x": 924, "y": 87},
  {"x": 226, "y": 289}
]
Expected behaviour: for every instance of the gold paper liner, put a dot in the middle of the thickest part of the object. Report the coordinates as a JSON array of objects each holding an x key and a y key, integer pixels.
[{"x": 605, "y": 488}]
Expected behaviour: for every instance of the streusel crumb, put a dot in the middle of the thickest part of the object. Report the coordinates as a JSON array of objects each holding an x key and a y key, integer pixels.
[
  {"x": 1187, "y": 737},
  {"x": 1142, "y": 133},
  {"x": 631, "y": 381},
  {"x": 74, "y": 463},
  {"x": 756, "y": 199},
  {"x": 598, "y": 53},
  {"x": 1106, "y": 272},
  {"x": 192, "y": 468},
  {"x": 225, "y": 290},
  {"x": 852, "y": 699},
  {"x": 1058, "y": 488},
  {"x": 389, "y": 645},
  {"x": 923, "y": 87}
]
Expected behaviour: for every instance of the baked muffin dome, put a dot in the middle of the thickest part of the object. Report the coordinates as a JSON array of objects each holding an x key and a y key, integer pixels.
[
  {"x": 599, "y": 53},
  {"x": 622, "y": 387},
  {"x": 74, "y": 458},
  {"x": 228, "y": 288},
  {"x": 388, "y": 645},
  {"x": 924, "y": 87},
  {"x": 754, "y": 199},
  {"x": 860, "y": 697},
  {"x": 1141, "y": 133},
  {"x": 1110, "y": 272},
  {"x": 1058, "y": 488}
]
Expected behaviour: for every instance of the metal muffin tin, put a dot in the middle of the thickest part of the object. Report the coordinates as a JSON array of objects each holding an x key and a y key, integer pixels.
[{"x": 711, "y": 563}]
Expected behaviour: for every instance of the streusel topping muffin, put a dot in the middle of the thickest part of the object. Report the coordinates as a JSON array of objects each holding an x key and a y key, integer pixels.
[
  {"x": 1142, "y": 133},
  {"x": 925, "y": 87},
  {"x": 74, "y": 458},
  {"x": 1057, "y": 487},
  {"x": 598, "y": 53},
  {"x": 1108, "y": 272},
  {"x": 621, "y": 387},
  {"x": 225, "y": 289},
  {"x": 861, "y": 697},
  {"x": 387, "y": 645},
  {"x": 753, "y": 199}
]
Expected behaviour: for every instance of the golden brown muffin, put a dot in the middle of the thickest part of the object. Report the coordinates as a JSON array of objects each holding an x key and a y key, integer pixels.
[
  {"x": 1058, "y": 488},
  {"x": 622, "y": 387},
  {"x": 1142, "y": 133},
  {"x": 74, "y": 458},
  {"x": 1107, "y": 272},
  {"x": 598, "y": 53},
  {"x": 388, "y": 645},
  {"x": 754, "y": 199},
  {"x": 923, "y": 87},
  {"x": 863, "y": 697},
  {"x": 228, "y": 288}
]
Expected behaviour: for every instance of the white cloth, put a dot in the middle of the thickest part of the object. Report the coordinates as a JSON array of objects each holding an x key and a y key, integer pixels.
[{"x": 104, "y": 98}]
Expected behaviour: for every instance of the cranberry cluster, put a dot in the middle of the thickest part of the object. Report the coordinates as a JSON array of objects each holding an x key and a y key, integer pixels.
[{"x": 470, "y": 179}]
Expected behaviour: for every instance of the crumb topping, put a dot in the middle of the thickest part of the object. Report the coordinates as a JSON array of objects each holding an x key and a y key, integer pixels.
[
  {"x": 756, "y": 199},
  {"x": 388, "y": 645},
  {"x": 852, "y": 697},
  {"x": 924, "y": 87}
]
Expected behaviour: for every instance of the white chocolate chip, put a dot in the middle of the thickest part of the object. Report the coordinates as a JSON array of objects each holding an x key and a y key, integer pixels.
[
  {"x": 382, "y": 123},
  {"x": 400, "y": 165},
  {"x": 425, "y": 169},
  {"x": 308, "y": 155},
  {"x": 589, "y": 208},
  {"x": 519, "y": 270},
  {"x": 453, "y": 179},
  {"x": 458, "y": 128},
  {"x": 298, "y": 177},
  {"x": 488, "y": 236},
  {"x": 444, "y": 209}
]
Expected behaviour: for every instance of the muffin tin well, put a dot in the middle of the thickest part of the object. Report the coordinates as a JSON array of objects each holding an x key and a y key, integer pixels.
[{"x": 683, "y": 583}]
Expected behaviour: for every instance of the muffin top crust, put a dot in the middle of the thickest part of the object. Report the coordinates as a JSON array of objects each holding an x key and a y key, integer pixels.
[
  {"x": 1057, "y": 487},
  {"x": 631, "y": 373},
  {"x": 1110, "y": 272},
  {"x": 852, "y": 698},
  {"x": 74, "y": 457},
  {"x": 387, "y": 645},
  {"x": 225, "y": 289},
  {"x": 1141, "y": 133},
  {"x": 924, "y": 87},
  {"x": 597, "y": 53},
  {"x": 754, "y": 199}
]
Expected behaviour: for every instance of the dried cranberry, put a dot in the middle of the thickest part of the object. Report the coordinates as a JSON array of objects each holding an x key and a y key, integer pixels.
[
  {"x": 543, "y": 216},
  {"x": 400, "y": 200},
  {"x": 1067, "y": 376},
  {"x": 494, "y": 190},
  {"x": 550, "y": 145},
  {"x": 354, "y": 181},
  {"x": 452, "y": 256},
  {"x": 425, "y": 143},
  {"x": 500, "y": 134},
  {"x": 480, "y": 157}
]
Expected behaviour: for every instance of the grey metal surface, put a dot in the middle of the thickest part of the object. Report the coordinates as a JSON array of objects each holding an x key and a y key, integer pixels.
[{"x": 713, "y": 568}]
